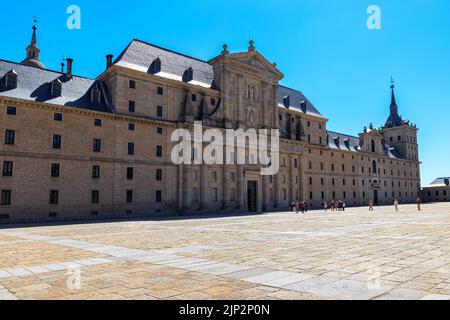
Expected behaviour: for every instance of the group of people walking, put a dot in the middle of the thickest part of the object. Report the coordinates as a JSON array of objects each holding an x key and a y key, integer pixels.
[
  {"x": 339, "y": 205},
  {"x": 336, "y": 205},
  {"x": 299, "y": 206}
]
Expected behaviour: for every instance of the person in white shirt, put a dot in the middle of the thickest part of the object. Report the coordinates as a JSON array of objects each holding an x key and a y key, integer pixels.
[{"x": 396, "y": 204}]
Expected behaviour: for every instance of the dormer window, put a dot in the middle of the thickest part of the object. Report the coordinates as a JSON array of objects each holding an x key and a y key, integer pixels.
[
  {"x": 56, "y": 88},
  {"x": 95, "y": 95},
  {"x": 287, "y": 101},
  {"x": 303, "y": 106},
  {"x": 11, "y": 80},
  {"x": 188, "y": 75},
  {"x": 155, "y": 67}
]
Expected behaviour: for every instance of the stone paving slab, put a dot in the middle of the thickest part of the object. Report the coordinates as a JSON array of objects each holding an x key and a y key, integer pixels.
[
  {"x": 270, "y": 256},
  {"x": 403, "y": 294}
]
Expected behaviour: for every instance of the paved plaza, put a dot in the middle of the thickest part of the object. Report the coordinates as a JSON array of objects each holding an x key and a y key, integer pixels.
[{"x": 351, "y": 255}]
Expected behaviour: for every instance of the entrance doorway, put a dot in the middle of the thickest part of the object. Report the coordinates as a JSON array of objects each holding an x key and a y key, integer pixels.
[
  {"x": 252, "y": 196},
  {"x": 375, "y": 197}
]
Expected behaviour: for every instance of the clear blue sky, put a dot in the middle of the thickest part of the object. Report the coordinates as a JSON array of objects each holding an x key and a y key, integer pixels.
[{"x": 323, "y": 47}]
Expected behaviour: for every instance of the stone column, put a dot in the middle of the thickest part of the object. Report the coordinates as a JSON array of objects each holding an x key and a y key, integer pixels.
[
  {"x": 291, "y": 179},
  {"x": 187, "y": 187},
  {"x": 180, "y": 189},
  {"x": 302, "y": 190},
  {"x": 240, "y": 112},
  {"x": 225, "y": 186},
  {"x": 265, "y": 109},
  {"x": 276, "y": 193},
  {"x": 227, "y": 116},
  {"x": 275, "y": 123},
  {"x": 241, "y": 190},
  {"x": 265, "y": 193},
  {"x": 203, "y": 187}
]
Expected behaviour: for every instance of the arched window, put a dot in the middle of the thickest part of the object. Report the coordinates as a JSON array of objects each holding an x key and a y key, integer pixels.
[
  {"x": 372, "y": 146},
  {"x": 374, "y": 167}
]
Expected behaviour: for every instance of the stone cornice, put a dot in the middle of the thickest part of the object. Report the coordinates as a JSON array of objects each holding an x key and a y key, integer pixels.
[{"x": 87, "y": 112}]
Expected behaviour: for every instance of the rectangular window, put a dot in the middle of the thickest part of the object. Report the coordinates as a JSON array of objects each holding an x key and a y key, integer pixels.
[
  {"x": 95, "y": 197},
  {"x": 7, "y": 168},
  {"x": 159, "y": 130},
  {"x": 160, "y": 91},
  {"x": 96, "y": 172},
  {"x": 131, "y": 106},
  {"x": 130, "y": 173},
  {"x": 97, "y": 145},
  {"x": 55, "y": 170},
  {"x": 54, "y": 197},
  {"x": 56, "y": 141},
  {"x": 158, "y": 196},
  {"x": 98, "y": 122},
  {"x": 12, "y": 111},
  {"x": 131, "y": 126},
  {"x": 6, "y": 198},
  {"x": 58, "y": 117},
  {"x": 159, "y": 111},
  {"x": 130, "y": 149},
  {"x": 159, "y": 151},
  {"x": 194, "y": 98},
  {"x": 10, "y": 136},
  {"x": 129, "y": 196},
  {"x": 132, "y": 84},
  {"x": 158, "y": 175},
  {"x": 213, "y": 102}
]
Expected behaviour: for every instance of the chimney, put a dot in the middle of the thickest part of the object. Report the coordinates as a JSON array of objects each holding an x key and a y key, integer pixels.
[
  {"x": 109, "y": 59},
  {"x": 69, "y": 67}
]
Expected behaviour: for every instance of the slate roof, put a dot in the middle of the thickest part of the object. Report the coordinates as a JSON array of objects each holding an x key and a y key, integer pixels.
[
  {"x": 439, "y": 182},
  {"x": 140, "y": 55},
  {"x": 295, "y": 98},
  {"x": 340, "y": 141},
  {"x": 33, "y": 84}
]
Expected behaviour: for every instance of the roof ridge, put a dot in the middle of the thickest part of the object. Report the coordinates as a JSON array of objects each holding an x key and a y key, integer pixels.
[
  {"x": 43, "y": 69},
  {"x": 286, "y": 87},
  {"x": 170, "y": 50},
  {"x": 342, "y": 134}
]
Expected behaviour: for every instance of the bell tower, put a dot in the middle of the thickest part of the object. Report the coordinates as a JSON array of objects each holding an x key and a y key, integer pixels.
[
  {"x": 33, "y": 51},
  {"x": 399, "y": 133}
]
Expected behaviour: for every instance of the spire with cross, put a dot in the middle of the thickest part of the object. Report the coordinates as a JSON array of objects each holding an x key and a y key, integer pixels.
[{"x": 32, "y": 58}]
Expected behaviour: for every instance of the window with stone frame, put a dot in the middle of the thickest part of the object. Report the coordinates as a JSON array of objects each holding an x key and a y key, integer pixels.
[
  {"x": 5, "y": 198},
  {"x": 7, "y": 168}
]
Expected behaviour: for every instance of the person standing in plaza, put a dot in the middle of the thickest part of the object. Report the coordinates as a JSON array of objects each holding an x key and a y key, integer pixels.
[
  {"x": 371, "y": 205},
  {"x": 396, "y": 204},
  {"x": 419, "y": 204},
  {"x": 296, "y": 207},
  {"x": 332, "y": 205},
  {"x": 344, "y": 205},
  {"x": 325, "y": 206}
]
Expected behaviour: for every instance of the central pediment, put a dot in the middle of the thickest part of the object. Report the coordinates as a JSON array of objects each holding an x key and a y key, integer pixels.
[{"x": 251, "y": 61}]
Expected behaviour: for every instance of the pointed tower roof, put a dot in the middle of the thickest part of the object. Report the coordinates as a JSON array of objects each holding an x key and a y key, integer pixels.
[
  {"x": 394, "y": 119},
  {"x": 33, "y": 51}
]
